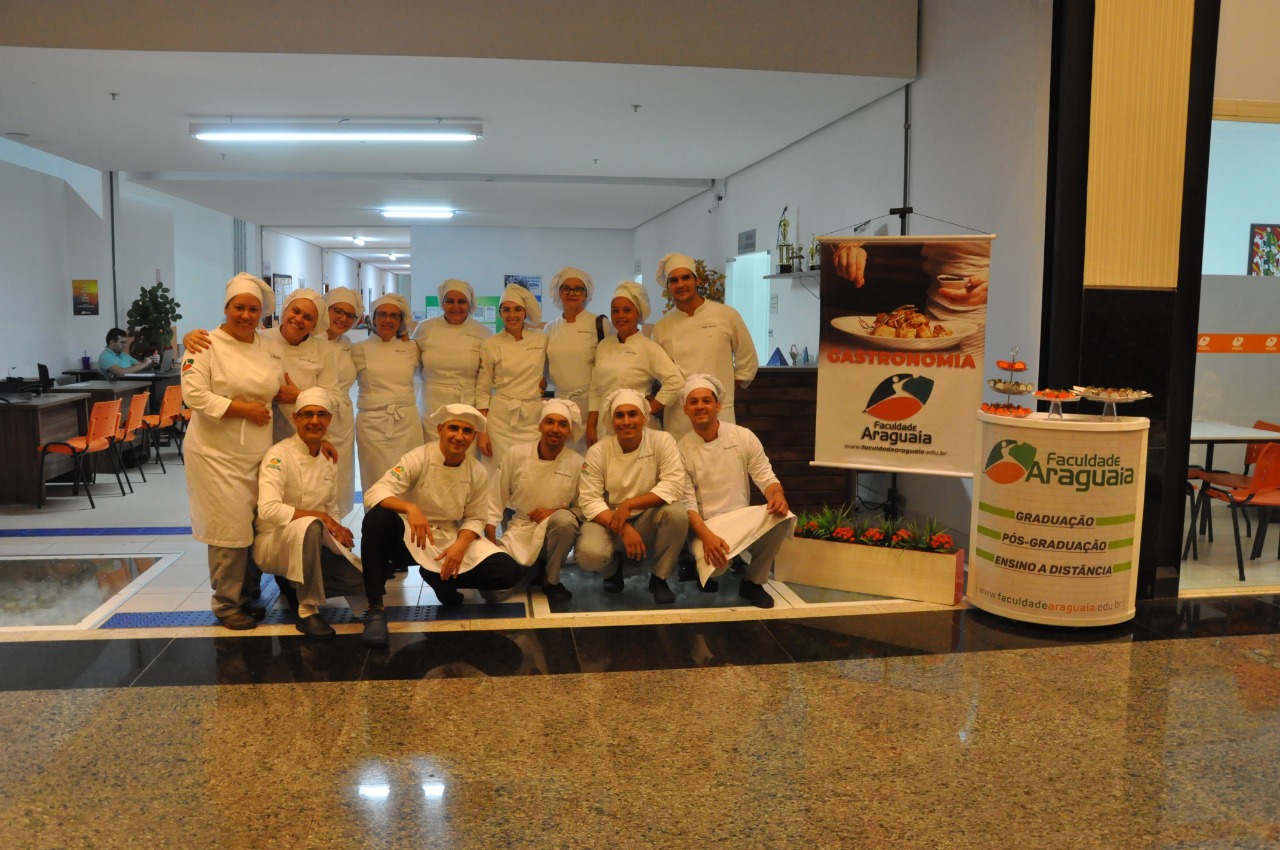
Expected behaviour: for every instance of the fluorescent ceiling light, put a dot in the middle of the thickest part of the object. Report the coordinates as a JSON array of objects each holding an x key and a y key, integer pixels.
[
  {"x": 334, "y": 131},
  {"x": 358, "y": 240},
  {"x": 417, "y": 212}
]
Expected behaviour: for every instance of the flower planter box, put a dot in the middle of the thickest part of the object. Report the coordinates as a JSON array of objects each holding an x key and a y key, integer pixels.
[{"x": 874, "y": 570}]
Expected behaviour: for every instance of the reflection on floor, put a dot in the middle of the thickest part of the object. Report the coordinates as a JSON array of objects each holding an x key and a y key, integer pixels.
[{"x": 63, "y": 590}]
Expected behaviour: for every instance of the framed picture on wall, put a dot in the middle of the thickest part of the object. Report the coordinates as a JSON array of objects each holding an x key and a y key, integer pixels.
[{"x": 1264, "y": 249}]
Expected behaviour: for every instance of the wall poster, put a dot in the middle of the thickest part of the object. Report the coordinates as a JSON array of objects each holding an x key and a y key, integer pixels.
[
  {"x": 902, "y": 334},
  {"x": 84, "y": 298}
]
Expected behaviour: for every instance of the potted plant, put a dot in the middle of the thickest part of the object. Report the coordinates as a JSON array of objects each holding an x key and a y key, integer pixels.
[
  {"x": 151, "y": 320},
  {"x": 902, "y": 559}
]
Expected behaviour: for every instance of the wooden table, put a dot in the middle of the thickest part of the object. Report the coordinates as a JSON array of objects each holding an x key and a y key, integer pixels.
[
  {"x": 83, "y": 374},
  {"x": 24, "y": 425}
]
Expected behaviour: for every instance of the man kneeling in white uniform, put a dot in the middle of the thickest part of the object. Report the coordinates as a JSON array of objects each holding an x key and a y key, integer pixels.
[
  {"x": 539, "y": 481},
  {"x": 720, "y": 460},
  {"x": 430, "y": 509},
  {"x": 300, "y": 538}
]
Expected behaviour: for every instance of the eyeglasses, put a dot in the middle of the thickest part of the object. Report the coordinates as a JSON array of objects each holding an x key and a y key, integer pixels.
[
  {"x": 338, "y": 311},
  {"x": 573, "y": 290},
  {"x": 384, "y": 315},
  {"x": 313, "y": 414}
]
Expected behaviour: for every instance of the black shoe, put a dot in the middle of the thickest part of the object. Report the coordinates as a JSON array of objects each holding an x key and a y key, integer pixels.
[
  {"x": 238, "y": 621},
  {"x": 687, "y": 569},
  {"x": 737, "y": 565},
  {"x": 712, "y": 586},
  {"x": 556, "y": 593},
  {"x": 755, "y": 594},
  {"x": 375, "y": 628},
  {"x": 450, "y": 597},
  {"x": 257, "y": 612},
  {"x": 315, "y": 627},
  {"x": 615, "y": 582},
  {"x": 662, "y": 593}
]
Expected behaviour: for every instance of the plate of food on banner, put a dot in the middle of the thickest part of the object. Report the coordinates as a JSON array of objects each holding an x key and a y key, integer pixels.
[{"x": 905, "y": 329}]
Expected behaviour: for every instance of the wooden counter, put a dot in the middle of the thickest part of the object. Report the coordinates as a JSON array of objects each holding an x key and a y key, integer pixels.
[{"x": 24, "y": 425}]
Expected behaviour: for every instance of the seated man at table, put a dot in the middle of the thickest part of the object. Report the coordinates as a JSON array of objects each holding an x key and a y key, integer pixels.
[
  {"x": 430, "y": 509},
  {"x": 115, "y": 361},
  {"x": 720, "y": 460},
  {"x": 300, "y": 537}
]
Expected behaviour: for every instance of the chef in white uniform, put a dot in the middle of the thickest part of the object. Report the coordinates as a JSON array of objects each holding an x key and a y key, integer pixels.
[
  {"x": 387, "y": 423},
  {"x": 702, "y": 336},
  {"x": 308, "y": 357},
  {"x": 539, "y": 482},
  {"x": 300, "y": 535},
  {"x": 450, "y": 350},
  {"x": 430, "y": 509},
  {"x": 572, "y": 339},
  {"x": 720, "y": 461},
  {"x": 629, "y": 359},
  {"x": 632, "y": 491},
  {"x": 509, "y": 389},
  {"x": 229, "y": 387},
  {"x": 345, "y": 308}
]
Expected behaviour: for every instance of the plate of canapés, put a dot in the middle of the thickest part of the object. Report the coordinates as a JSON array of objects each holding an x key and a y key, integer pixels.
[
  {"x": 1015, "y": 411},
  {"x": 1010, "y": 387},
  {"x": 1112, "y": 395},
  {"x": 1058, "y": 395},
  {"x": 905, "y": 329}
]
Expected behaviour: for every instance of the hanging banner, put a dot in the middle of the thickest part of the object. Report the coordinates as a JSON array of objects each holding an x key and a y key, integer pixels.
[{"x": 903, "y": 329}]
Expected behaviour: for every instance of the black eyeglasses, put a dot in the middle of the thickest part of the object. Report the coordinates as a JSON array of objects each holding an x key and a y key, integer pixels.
[
  {"x": 381, "y": 315},
  {"x": 573, "y": 290},
  {"x": 343, "y": 313},
  {"x": 313, "y": 414}
]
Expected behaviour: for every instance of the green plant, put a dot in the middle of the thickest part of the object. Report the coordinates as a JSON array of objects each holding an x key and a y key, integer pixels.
[
  {"x": 841, "y": 525},
  {"x": 710, "y": 285},
  {"x": 151, "y": 319}
]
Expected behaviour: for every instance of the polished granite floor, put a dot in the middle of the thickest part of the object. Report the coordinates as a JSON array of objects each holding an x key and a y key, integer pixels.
[{"x": 940, "y": 729}]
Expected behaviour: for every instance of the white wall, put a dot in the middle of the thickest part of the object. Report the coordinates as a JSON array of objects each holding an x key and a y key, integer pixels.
[
  {"x": 144, "y": 245},
  {"x": 1244, "y": 189},
  {"x": 482, "y": 255},
  {"x": 340, "y": 270},
  {"x": 288, "y": 255},
  {"x": 50, "y": 235}
]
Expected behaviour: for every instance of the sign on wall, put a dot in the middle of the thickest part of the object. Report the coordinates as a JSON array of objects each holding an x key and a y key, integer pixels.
[
  {"x": 84, "y": 297},
  {"x": 902, "y": 333}
]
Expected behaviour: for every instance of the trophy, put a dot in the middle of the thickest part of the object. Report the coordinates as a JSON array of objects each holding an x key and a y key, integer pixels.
[
  {"x": 785, "y": 248},
  {"x": 814, "y": 253}
]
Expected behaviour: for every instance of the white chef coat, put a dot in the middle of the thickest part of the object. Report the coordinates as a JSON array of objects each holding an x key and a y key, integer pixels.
[
  {"x": 634, "y": 364},
  {"x": 512, "y": 369},
  {"x": 387, "y": 424},
  {"x": 611, "y": 475},
  {"x": 713, "y": 341},
  {"x": 222, "y": 455},
  {"x": 342, "y": 428},
  {"x": 308, "y": 364},
  {"x": 290, "y": 478},
  {"x": 452, "y": 498},
  {"x": 717, "y": 487},
  {"x": 450, "y": 357},
  {"x": 525, "y": 483}
]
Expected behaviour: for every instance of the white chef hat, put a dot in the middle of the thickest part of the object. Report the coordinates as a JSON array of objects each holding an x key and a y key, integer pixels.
[
  {"x": 701, "y": 380},
  {"x": 461, "y": 412},
  {"x": 522, "y": 296},
  {"x": 322, "y": 309},
  {"x": 565, "y": 274},
  {"x": 399, "y": 302},
  {"x": 671, "y": 262},
  {"x": 634, "y": 293},
  {"x": 345, "y": 295},
  {"x": 617, "y": 398},
  {"x": 568, "y": 410},
  {"x": 455, "y": 285},
  {"x": 314, "y": 396},
  {"x": 246, "y": 284}
]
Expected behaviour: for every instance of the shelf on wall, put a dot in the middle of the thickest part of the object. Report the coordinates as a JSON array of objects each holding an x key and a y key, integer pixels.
[{"x": 794, "y": 275}]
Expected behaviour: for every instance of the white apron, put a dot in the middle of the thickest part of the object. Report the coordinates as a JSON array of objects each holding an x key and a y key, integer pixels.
[
  {"x": 739, "y": 529},
  {"x": 279, "y": 551},
  {"x": 450, "y": 356},
  {"x": 222, "y": 455},
  {"x": 387, "y": 424},
  {"x": 308, "y": 364},
  {"x": 523, "y": 540},
  {"x": 445, "y": 534},
  {"x": 342, "y": 428},
  {"x": 512, "y": 368}
]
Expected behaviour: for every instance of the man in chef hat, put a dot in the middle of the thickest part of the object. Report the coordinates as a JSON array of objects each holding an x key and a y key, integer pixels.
[
  {"x": 720, "y": 461},
  {"x": 300, "y": 537},
  {"x": 539, "y": 482}
]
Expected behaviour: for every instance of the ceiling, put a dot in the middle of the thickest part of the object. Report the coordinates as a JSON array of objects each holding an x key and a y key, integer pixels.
[{"x": 566, "y": 144}]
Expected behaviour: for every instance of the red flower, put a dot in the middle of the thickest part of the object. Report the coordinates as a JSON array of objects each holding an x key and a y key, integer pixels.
[
  {"x": 941, "y": 540},
  {"x": 843, "y": 533},
  {"x": 873, "y": 535}
]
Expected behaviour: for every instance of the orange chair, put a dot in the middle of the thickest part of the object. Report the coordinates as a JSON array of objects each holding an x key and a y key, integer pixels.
[
  {"x": 1226, "y": 480},
  {"x": 128, "y": 431},
  {"x": 104, "y": 421},
  {"x": 1263, "y": 491},
  {"x": 170, "y": 408}
]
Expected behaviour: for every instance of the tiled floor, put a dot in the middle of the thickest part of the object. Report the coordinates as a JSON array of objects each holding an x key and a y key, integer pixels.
[{"x": 907, "y": 726}]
